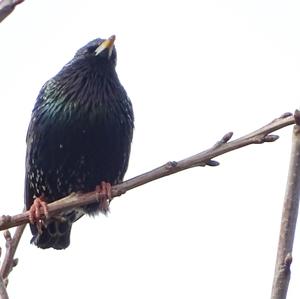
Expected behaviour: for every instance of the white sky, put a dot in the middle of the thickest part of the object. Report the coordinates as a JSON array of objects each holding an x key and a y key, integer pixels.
[{"x": 194, "y": 71}]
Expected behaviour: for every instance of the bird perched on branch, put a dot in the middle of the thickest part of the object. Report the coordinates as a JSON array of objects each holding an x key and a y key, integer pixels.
[{"x": 78, "y": 139}]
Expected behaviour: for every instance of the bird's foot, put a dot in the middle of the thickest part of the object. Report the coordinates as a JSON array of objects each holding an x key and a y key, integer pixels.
[
  {"x": 35, "y": 216},
  {"x": 104, "y": 196}
]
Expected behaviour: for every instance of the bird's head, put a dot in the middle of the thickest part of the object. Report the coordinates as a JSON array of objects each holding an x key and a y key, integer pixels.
[{"x": 100, "y": 50}]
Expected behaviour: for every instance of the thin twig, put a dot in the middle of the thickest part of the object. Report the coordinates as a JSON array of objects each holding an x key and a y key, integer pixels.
[
  {"x": 11, "y": 246},
  {"x": 7, "y": 7},
  {"x": 3, "y": 291},
  {"x": 204, "y": 158},
  {"x": 9, "y": 261},
  {"x": 289, "y": 219}
]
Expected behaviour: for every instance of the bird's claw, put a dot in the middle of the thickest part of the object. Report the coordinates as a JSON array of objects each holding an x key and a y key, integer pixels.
[
  {"x": 35, "y": 212},
  {"x": 104, "y": 196}
]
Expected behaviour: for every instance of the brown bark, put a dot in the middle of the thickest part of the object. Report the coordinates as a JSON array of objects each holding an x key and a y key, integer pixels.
[{"x": 289, "y": 219}]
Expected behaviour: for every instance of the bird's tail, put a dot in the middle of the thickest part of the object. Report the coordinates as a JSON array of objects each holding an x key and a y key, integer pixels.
[{"x": 55, "y": 232}]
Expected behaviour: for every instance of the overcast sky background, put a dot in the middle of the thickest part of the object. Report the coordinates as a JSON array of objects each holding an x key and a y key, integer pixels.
[{"x": 194, "y": 71}]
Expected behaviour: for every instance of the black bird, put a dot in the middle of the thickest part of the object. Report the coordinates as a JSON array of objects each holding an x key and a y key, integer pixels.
[{"x": 78, "y": 139}]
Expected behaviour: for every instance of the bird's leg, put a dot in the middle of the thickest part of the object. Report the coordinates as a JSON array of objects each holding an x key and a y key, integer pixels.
[
  {"x": 104, "y": 191},
  {"x": 35, "y": 212}
]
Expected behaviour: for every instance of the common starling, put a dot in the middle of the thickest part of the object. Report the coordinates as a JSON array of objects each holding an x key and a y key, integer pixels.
[{"x": 78, "y": 139}]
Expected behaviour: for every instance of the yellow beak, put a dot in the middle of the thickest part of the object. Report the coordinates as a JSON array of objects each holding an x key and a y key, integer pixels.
[{"x": 107, "y": 44}]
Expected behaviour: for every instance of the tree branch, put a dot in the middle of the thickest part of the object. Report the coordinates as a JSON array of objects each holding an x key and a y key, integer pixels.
[
  {"x": 7, "y": 7},
  {"x": 289, "y": 219},
  {"x": 3, "y": 292},
  {"x": 9, "y": 262},
  {"x": 201, "y": 159},
  {"x": 11, "y": 246}
]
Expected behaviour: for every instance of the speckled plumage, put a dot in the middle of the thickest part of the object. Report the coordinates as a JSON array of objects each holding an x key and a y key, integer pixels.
[{"x": 79, "y": 135}]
